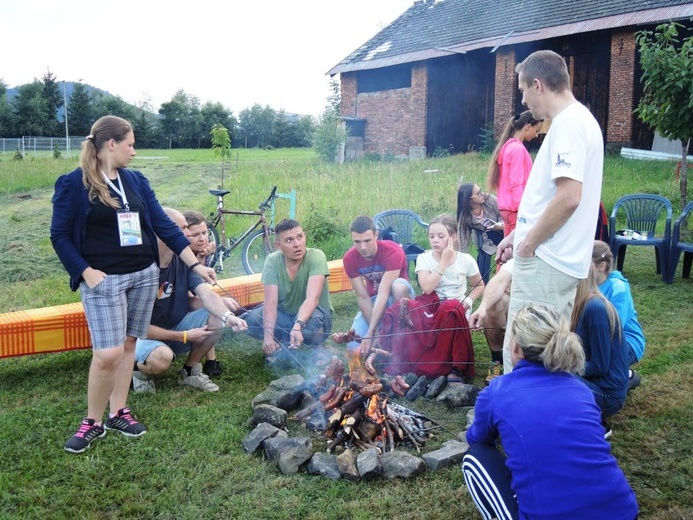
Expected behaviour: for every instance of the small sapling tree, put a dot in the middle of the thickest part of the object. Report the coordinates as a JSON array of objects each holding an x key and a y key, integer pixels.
[
  {"x": 221, "y": 144},
  {"x": 667, "y": 102}
]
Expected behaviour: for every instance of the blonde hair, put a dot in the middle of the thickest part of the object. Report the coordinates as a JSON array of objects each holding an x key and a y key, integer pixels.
[
  {"x": 544, "y": 337},
  {"x": 102, "y": 131},
  {"x": 602, "y": 253},
  {"x": 586, "y": 290},
  {"x": 447, "y": 221}
]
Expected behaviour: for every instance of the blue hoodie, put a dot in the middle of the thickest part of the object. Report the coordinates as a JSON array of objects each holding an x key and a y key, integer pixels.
[{"x": 616, "y": 289}]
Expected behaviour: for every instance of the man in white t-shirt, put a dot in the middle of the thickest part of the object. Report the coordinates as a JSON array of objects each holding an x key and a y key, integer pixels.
[{"x": 552, "y": 243}]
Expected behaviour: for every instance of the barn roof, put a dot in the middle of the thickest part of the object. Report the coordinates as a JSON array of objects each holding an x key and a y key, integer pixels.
[{"x": 434, "y": 28}]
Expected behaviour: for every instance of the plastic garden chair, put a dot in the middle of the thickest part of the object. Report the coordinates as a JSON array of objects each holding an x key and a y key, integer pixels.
[
  {"x": 642, "y": 213},
  {"x": 678, "y": 247},
  {"x": 402, "y": 222}
]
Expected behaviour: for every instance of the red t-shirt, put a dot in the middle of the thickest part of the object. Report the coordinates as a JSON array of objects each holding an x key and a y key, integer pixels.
[{"x": 390, "y": 257}]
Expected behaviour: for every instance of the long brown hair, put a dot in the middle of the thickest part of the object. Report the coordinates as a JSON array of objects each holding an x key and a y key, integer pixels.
[
  {"x": 515, "y": 123},
  {"x": 586, "y": 290},
  {"x": 102, "y": 131}
]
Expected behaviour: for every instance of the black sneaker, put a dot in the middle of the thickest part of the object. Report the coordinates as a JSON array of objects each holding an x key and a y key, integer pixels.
[
  {"x": 633, "y": 380},
  {"x": 126, "y": 424},
  {"x": 87, "y": 432},
  {"x": 212, "y": 368}
]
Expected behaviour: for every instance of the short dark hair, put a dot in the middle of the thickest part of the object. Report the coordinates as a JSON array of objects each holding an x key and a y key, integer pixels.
[
  {"x": 548, "y": 67},
  {"x": 361, "y": 224},
  {"x": 285, "y": 225}
]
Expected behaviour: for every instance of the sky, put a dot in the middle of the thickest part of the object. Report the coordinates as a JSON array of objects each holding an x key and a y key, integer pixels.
[{"x": 237, "y": 53}]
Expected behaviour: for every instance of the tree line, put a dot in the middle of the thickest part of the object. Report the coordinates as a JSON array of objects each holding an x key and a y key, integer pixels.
[{"x": 182, "y": 122}]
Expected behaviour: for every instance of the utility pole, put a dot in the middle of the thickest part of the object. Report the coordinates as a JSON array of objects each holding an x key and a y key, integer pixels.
[{"x": 67, "y": 133}]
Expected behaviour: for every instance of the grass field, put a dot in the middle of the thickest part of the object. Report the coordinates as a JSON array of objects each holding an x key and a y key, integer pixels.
[{"x": 191, "y": 464}]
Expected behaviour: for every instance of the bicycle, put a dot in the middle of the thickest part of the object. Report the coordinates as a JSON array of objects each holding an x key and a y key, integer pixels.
[{"x": 258, "y": 243}]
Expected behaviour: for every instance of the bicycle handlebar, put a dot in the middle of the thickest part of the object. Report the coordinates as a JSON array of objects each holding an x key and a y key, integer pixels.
[{"x": 272, "y": 196}]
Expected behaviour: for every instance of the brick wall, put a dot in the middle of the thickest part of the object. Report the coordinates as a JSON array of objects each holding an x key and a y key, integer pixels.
[
  {"x": 395, "y": 119},
  {"x": 619, "y": 129},
  {"x": 505, "y": 89}
]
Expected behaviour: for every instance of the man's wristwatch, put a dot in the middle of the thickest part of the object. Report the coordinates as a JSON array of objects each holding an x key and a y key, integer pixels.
[
  {"x": 300, "y": 323},
  {"x": 226, "y": 316}
]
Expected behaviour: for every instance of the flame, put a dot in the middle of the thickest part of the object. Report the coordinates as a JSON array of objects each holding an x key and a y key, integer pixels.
[{"x": 374, "y": 411}]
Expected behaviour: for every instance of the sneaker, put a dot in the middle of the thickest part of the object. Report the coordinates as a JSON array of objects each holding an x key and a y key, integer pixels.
[
  {"x": 608, "y": 431},
  {"x": 87, "y": 432},
  {"x": 633, "y": 380},
  {"x": 212, "y": 368},
  {"x": 126, "y": 423},
  {"x": 495, "y": 370},
  {"x": 142, "y": 384},
  {"x": 197, "y": 379}
]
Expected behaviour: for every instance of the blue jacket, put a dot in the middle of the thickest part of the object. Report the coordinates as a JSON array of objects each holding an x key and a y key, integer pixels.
[
  {"x": 616, "y": 289},
  {"x": 71, "y": 207},
  {"x": 561, "y": 467}
]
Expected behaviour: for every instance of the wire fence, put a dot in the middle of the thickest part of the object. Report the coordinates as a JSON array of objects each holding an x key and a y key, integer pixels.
[{"x": 29, "y": 145}]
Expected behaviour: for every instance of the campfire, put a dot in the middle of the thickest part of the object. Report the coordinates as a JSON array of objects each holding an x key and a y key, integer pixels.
[{"x": 358, "y": 411}]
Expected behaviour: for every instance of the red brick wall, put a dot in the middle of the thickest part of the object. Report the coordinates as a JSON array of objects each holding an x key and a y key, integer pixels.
[
  {"x": 395, "y": 119},
  {"x": 620, "y": 126},
  {"x": 505, "y": 89}
]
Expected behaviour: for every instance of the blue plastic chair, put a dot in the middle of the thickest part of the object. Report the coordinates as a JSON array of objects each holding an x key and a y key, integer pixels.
[
  {"x": 678, "y": 247},
  {"x": 402, "y": 221},
  {"x": 642, "y": 212}
]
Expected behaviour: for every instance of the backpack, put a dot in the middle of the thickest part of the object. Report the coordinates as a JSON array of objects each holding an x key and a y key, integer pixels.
[{"x": 602, "y": 231}]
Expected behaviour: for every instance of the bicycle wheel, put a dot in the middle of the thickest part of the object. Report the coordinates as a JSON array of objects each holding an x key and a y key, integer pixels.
[{"x": 255, "y": 250}]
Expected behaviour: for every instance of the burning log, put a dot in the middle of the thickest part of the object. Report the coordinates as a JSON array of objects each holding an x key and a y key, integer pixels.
[{"x": 307, "y": 411}]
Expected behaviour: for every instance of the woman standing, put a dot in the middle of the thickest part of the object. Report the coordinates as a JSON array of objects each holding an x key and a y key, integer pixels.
[
  {"x": 597, "y": 324},
  {"x": 104, "y": 227},
  {"x": 510, "y": 165},
  {"x": 558, "y": 465},
  {"x": 477, "y": 211}
]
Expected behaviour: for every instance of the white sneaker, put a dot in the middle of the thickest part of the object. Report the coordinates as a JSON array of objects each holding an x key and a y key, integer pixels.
[
  {"x": 142, "y": 384},
  {"x": 197, "y": 379}
]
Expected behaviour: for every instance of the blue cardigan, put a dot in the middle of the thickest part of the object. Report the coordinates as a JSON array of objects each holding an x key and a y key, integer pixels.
[
  {"x": 71, "y": 207},
  {"x": 550, "y": 427}
]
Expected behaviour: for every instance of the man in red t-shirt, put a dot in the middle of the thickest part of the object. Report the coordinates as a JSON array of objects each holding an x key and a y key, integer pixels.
[{"x": 378, "y": 271}]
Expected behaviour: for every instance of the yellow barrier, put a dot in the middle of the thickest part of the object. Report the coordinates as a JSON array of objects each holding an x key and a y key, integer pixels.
[{"x": 64, "y": 327}]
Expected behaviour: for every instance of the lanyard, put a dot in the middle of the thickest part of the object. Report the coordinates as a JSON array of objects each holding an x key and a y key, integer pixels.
[{"x": 120, "y": 190}]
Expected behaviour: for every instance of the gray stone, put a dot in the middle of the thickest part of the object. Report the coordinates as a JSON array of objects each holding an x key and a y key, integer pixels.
[
  {"x": 417, "y": 389},
  {"x": 411, "y": 378},
  {"x": 259, "y": 435},
  {"x": 449, "y": 454},
  {"x": 346, "y": 462},
  {"x": 289, "y": 453},
  {"x": 285, "y": 393},
  {"x": 368, "y": 464},
  {"x": 266, "y": 413},
  {"x": 316, "y": 422},
  {"x": 457, "y": 395},
  {"x": 324, "y": 464},
  {"x": 436, "y": 387},
  {"x": 401, "y": 464},
  {"x": 470, "y": 417}
]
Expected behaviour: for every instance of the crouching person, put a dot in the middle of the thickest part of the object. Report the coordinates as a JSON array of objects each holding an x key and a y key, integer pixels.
[
  {"x": 297, "y": 308},
  {"x": 180, "y": 324}
]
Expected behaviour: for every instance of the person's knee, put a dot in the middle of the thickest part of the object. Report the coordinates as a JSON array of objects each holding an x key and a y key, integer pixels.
[
  {"x": 158, "y": 361},
  {"x": 400, "y": 289},
  {"x": 107, "y": 359}
]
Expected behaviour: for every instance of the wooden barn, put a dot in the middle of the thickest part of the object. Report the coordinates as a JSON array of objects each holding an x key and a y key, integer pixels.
[{"x": 438, "y": 75}]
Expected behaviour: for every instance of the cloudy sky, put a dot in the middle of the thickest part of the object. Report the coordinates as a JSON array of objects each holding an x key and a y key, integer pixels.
[{"x": 272, "y": 52}]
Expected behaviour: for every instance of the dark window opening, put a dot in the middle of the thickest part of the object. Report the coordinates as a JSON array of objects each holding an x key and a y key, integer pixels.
[{"x": 387, "y": 78}]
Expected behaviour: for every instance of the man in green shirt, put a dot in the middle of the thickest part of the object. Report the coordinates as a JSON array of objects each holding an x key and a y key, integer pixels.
[{"x": 297, "y": 308}]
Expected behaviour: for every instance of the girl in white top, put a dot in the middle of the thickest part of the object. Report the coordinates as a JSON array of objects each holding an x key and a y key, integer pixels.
[{"x": 445, "y": 270}]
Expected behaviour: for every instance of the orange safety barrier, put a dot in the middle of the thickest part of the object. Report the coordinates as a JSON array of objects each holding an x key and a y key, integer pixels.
[{"x": 64, "y": 327}]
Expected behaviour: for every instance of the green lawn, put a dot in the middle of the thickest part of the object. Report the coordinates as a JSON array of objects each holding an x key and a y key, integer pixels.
[{"x": 191, "y": 463}]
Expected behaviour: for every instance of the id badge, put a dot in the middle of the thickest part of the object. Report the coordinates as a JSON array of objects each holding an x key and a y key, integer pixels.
[{"x": 129, "y": 228}]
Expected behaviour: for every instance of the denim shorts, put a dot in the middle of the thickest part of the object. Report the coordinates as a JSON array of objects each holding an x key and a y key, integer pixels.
[
  {"x": 192, "y": 320},
  {"x": 121, "y": 305}
]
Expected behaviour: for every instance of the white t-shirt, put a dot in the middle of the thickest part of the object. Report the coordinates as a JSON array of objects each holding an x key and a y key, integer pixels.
[
  {"x": 573, "y": 148},
  {"x": 453, "y": 284}
]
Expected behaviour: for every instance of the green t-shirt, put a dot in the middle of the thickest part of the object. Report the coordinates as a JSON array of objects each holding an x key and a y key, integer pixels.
[{"x": 292, "y": 293}]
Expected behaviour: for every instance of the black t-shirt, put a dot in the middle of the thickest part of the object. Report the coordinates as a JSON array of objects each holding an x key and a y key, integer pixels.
[
  {"x": 102, "y": 247},
  {"x": 172, "y": 303}
]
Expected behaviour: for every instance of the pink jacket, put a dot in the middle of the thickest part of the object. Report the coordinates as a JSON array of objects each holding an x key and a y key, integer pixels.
[{"x": 515, "y": 164}]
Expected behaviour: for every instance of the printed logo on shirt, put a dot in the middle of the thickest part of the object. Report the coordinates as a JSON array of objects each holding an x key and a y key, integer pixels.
[
  {"x": 562, "y": 160},
  {"x": 165, "y": 291},
  {"x": 373, "y": 274}
]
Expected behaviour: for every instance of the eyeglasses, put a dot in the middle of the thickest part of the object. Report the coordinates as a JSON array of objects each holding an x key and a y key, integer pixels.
[{"x": 477, "y": 194}]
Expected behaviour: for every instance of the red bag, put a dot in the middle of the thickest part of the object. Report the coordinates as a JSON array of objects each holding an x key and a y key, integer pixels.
[{"x": 438, "y": 341}]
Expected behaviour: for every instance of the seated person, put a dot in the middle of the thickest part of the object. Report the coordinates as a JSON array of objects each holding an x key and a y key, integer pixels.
[
  {"x": 556, "y": 463},
  {"x": 203, "y": 249},
  {"x": 378, "y": 272},
  {"x": 444, "y": 272},
  {"x": 177, "y": 328},
  {"x": 297, "y": 308},
  {"x": 492, "y": 316},
  {"x": 616, "y": 289},
  {"x": 597, "y": 324}
]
